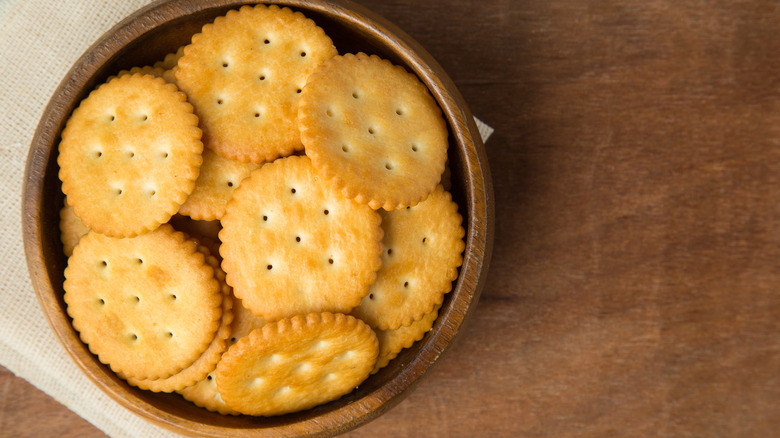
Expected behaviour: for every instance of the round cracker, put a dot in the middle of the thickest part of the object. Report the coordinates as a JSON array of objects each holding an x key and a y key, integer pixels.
[
  {"x": 207, "y": 362},
  {"x": 373, "y": 131},
  {"x": 244, "y": 74},
  {"x": 296, "y": 364},
  {"x": 423, "y": 251},
  {"x": 130, "y": 155},
  {"x": 219, "y": 177},
  {"x": 147, "y": 306},
  {"x": 291, "y": 245}
]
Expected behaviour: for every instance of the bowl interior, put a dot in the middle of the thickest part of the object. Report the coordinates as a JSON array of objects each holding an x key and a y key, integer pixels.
[{"x": 147, "y": 37}]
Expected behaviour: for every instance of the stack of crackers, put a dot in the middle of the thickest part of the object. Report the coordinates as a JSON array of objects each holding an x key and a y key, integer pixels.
[{"x": 256, "y": 222}]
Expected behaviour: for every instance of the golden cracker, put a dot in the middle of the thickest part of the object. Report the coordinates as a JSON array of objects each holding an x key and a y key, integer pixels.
[
  {"x": 145, "y": 70},
  {"x": 244, "y": 74},
  {"x": 170, "y": 60},
  {"x": 291, "y": 245},
  {"x": 204, "y": 393},
  {"x": 244, "y": 322},
  {"x": 167, "y": 65},
  {"x": 71, "y": 229},
  {"x": 130, "y": 155},
  {"x": 296, "y": 364},
  {"x": 170, "y": 75},
  {"x": 147, "y": 306},
  {"x": 207, "y": 362},
  {"x": 218, "y": 178},
  {"x": 373, "y": 130},
  {"x": 391, "y": 342},
  {"x": 423, "y": 248}
]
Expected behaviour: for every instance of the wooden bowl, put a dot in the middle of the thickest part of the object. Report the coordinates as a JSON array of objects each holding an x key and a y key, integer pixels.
[{"x": 146, "y": 37}]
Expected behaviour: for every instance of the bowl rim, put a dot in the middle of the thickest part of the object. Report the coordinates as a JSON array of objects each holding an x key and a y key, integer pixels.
[{"x": 478, "y": 190}]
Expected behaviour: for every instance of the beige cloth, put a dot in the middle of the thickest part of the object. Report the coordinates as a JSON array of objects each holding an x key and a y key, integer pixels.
[{"x": 39, "y": 42}]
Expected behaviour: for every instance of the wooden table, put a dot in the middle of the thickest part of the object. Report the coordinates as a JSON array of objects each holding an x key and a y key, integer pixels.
[{"x": 634, "y": 284}]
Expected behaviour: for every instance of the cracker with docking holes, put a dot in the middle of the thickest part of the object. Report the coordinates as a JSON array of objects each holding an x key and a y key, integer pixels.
[
  {"x": 204, "y": 393},
  {"x": 207, "y": 362},
  {"x": 219, "y": 177},
  {"x": 130, "y": 155},
  {"x": 291, "y": 245},
  {"x": 71, "y": 229},
  {"x": 296, "y": 364},
  {"x": 244, "y": 74},
  {"x": 391, "y": 342},
  {"x": 373, "y": 131},
  {"x": 147, "y": 306},
  {"x": 423, "y": 248}
]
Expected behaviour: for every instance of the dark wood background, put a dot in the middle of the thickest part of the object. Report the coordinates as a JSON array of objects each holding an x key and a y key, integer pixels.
[{"x": 634, "y": 287}]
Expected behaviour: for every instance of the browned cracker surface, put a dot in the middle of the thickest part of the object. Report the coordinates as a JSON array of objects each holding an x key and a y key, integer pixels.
[
  {"x": 207, "y": 362},
  {"x": 373, "y": 130},
  {"x": 219, "y": 177},
  {"x": 291, "y": 245},
  {"x": 296, "y": 364},
  {"x": 71, "y": 229},
  {"x": 130, "y": 155},
  {"x": 147, "y": 306},
  {"x": 244, "y": 73},
  {"x": 423, "y": 248},
  {"x": 391, "y": 342},
  {"x": 204, "y": 393}
]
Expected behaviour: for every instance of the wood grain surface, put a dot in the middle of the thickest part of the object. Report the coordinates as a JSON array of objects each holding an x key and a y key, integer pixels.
[{"x": 633, "y": 288}]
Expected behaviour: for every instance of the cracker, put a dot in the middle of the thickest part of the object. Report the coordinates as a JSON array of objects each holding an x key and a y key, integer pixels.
[
  {"x": 170, "y": 75},
  {"x": 147, "y": 306},
  {"x": 204, "y": 394},
  {"x": 391, "y": 342},
  {"x": 207, "y": 362},
  {"x": 423, "y": 248},
  {"x": 291, "y": 245},
  {"x": 71, "y": 229},
  {"x": 296, "y": 364},
  {"x": 373, "y": 131},
  {"x": 244, "y": 322},
  {"x": 219, "y": 177},
  {"x": 244, "y": 74},
  {"x": 168, "y": 65},
  {"x": 145, "y": 70},
  {"x": 130, "y": 155},
  {"x": 170, "y": 60}
]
